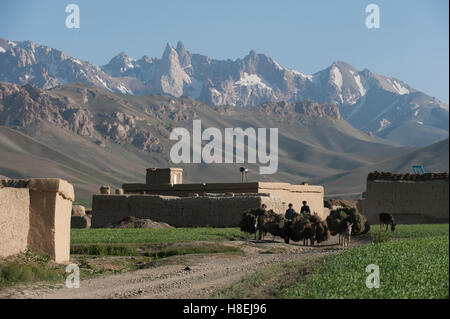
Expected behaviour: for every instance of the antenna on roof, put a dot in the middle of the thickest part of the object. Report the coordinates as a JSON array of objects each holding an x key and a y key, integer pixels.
[{"x": 244, "y": 172}]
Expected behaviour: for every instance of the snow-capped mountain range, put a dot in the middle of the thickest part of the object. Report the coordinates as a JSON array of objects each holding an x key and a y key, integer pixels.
[{"x": 383, "y": 106}]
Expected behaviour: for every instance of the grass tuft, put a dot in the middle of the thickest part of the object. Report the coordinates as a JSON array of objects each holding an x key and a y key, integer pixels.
[
  {"x": 103, "y": 250},
  {"x": 29, "y": 267}
]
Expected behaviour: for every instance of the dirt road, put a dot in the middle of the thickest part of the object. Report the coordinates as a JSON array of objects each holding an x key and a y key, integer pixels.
[{"x": 207, "y": 273}]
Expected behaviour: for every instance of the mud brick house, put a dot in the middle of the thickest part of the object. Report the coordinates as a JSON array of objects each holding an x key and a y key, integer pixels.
[{"x": 164, "y": 198}]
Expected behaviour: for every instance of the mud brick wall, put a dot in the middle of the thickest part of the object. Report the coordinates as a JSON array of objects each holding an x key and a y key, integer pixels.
[
  {"x": 38, "y": 210},
  {"x": 163, "y": 176},
  {"x": 213, "y": 211},
  {"x": 287, "y": 193},
  {"x": 423, "y": 201},
  {"x": 295, "y": 194},
  {"x": 14, "y": 220}
]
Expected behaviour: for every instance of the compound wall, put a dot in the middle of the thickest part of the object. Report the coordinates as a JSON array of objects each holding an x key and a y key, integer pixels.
[
  {"x": 37, "y": 210},
  {"x": 214, "y": 211},
  {"x": 409, "y": 201},
  {"x": 286, "y": 192},
  {"x": 14, "y": 220}
]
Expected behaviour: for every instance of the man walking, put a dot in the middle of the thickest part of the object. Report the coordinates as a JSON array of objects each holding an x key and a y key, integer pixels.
[{"x": 289, "y": 215}]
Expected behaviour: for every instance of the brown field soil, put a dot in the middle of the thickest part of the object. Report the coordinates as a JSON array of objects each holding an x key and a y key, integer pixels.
[{"x": 169, "y": 278}]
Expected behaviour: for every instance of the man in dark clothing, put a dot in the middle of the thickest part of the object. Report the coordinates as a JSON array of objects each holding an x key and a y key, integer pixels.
[
  {"x": 290, "y": 212},
  {"x": 305, "y": 208},
  {"x": 289, "y": 215}
]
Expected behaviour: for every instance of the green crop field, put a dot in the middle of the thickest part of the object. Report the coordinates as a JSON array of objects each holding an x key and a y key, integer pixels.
[
  {"x": 413, "y": 262},
  {"x": 414, "y": 265},
  {"x": 161, "y": 235},
  {"x": 415, "y": 231}
]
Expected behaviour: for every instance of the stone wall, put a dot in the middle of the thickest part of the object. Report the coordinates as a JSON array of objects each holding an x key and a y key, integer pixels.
[
  {"x": 41, "y": 213},
  {"x": 410, "y": 201},
  {"x": 214, "y": 211}
]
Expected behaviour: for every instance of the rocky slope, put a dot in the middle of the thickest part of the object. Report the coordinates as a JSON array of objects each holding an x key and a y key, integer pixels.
[
  {"x": 92, "y": 137},
  {"x": 383, "y": 106}
]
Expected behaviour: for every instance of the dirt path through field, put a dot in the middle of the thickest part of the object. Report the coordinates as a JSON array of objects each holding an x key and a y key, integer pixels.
[{"x": 207, "y": 273}]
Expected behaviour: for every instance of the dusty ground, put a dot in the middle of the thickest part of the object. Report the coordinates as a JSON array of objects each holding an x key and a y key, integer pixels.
[{"x": 169, "y": 279}]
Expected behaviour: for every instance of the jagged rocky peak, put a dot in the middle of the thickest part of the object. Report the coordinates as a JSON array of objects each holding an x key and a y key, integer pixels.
[
  {"x": 146, "y": 59},
  {"x": 180, "y": 47},
  {"x": 5, "y": 45},
  {"x": 184, "y": 55},
  {"x": 367, "y": 100},
  {"x": 169, "y": 51},
  {"x": 119, "y": 64}
]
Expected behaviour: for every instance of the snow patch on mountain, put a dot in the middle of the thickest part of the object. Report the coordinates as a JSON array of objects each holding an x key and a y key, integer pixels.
[
  {"x": 400, "y": 89},
  {"x": 337, "y": 77},
  {"x": 361, "y": 88},
  {"x": 103, "y": 83},
  {"x": 384, "y": 123},
  {"x": 251, "y": 80},
  {"x": 124, "y": 90},
  {"x": 76, "y": 61},
  {"x": 279, "y": 67},
  {"x": 305, "y": 76}
]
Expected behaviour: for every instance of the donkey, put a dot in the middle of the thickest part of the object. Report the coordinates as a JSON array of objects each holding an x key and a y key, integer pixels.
[
  {"x": 259, "y": 225},
  {"x": 308, "y": 233},
  {"x": 346, "y": 234},
  {"x": 387, "y": 219}
]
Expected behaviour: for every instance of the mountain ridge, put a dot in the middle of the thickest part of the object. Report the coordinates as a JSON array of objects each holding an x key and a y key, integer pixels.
[
  {"x": 383, "y": 106},
  {"x": 111, "y": 138}
]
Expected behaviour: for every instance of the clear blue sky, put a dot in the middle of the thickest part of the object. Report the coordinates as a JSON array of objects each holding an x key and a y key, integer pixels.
[{"x": 412, "y": 43}]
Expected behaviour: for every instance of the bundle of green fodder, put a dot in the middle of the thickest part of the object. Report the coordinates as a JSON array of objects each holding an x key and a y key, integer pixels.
[
  {"x": 248, "y": 222},
  {"x": 263, "y": 218},
  {"x": 258, "y": 219},
  {"x": 308, "y": 226},
  {"x": 300, "y": 230},
  {"x": 300, "y": 227},
  {"x": 322, "y": 233},
  {"x": 277, "y": 225},
  {"x": 338, "y": 218}
]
